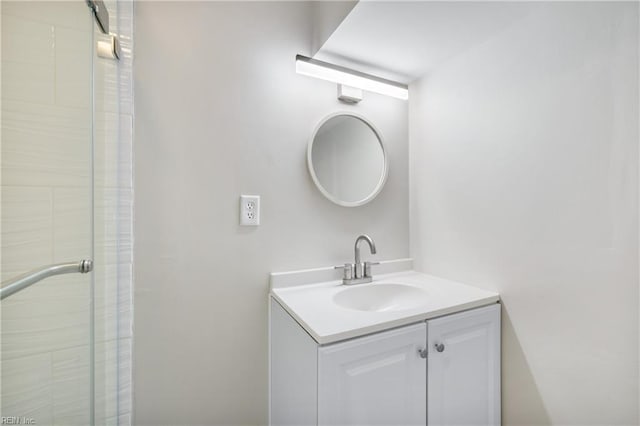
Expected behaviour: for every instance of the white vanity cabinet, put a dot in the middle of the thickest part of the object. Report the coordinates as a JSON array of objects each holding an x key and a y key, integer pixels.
[
  {"x": 386, "y": 378},
  {"x": 463, "y": 368},
  {"x": 374, "y": 380}
]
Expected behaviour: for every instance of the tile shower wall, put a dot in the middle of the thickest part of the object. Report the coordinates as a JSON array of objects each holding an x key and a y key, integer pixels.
[
  {"x": 46, "y": 212},
  {"x": 46, "y": 208}
]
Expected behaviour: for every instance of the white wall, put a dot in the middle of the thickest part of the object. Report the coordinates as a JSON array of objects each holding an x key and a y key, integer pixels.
[
  {"x": 524, "y": 179},
  {"x": 220, "y": 112},
  {"x": 326, "y": 16}
]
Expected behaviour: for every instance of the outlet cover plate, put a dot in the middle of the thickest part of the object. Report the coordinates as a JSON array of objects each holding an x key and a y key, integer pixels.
[{"x": 249, "y": 210}]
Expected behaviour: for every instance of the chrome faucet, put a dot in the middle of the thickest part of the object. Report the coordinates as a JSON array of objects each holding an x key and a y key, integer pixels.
[{"x": 359, "y": 272}]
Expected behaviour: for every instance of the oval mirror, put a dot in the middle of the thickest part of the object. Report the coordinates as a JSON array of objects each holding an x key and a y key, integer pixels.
[{"x": 347, "y": 159}]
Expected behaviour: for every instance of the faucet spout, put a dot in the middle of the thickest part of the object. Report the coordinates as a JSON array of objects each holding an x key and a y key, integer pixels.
[
  {"x": 372, "y": 247},
  {"x": 359, "y": 272}
]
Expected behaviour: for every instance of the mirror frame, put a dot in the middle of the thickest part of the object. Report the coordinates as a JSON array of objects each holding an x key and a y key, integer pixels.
[{"x": 385, "y": 171}]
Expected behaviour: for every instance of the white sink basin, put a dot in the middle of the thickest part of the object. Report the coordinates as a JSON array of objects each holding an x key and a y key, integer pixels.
[
  {"x": 381, "y": 297},
  {"x": 331, "y": 312}
]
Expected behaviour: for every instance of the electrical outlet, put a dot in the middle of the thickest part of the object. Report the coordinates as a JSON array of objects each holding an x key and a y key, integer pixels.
[{"x": 249, "y": 210}]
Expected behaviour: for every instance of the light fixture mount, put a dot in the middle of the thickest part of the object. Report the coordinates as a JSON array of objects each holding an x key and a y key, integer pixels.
[{"x": 348, "y": 94}]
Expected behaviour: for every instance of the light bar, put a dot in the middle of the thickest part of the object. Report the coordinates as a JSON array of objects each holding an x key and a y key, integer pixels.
[{"x": 341, "y": 75}]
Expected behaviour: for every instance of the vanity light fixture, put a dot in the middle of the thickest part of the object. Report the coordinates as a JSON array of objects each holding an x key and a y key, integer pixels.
[{"x": 348, "y": 77}]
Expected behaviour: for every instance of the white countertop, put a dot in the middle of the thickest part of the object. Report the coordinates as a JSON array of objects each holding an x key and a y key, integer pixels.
[{"x": 312, "y": 306}]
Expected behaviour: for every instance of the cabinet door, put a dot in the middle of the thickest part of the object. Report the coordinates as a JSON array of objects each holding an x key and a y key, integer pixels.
[
  {"x": 374, "y": 380},
  {"x": 464, "y": 368}
]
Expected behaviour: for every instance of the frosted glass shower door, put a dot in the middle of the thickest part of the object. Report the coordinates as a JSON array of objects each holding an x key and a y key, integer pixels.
[{"x": 46, "y": 348}]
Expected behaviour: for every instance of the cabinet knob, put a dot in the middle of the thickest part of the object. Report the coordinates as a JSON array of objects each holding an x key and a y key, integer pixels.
[
  {"x": 422, "y": 353},
  {"x": 439, "y": 347}
]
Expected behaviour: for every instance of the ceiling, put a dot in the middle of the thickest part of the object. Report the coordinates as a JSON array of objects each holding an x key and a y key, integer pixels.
[{"x": 403, "y": 41}]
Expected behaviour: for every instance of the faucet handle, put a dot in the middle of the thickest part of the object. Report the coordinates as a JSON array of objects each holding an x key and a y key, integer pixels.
[
  {"x": 367, "y": 268},
  {"x": 347, "y": 270}
]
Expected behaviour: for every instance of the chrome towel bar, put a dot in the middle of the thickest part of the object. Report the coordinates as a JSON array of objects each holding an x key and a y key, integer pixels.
[{"x": 23, "y": 281}]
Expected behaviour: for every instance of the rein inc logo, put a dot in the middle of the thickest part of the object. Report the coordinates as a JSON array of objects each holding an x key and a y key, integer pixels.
[{"x": 15, "y": 420}]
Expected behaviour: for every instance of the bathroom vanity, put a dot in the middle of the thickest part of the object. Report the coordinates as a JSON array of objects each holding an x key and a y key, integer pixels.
[{"x": 405, "y": 349}]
